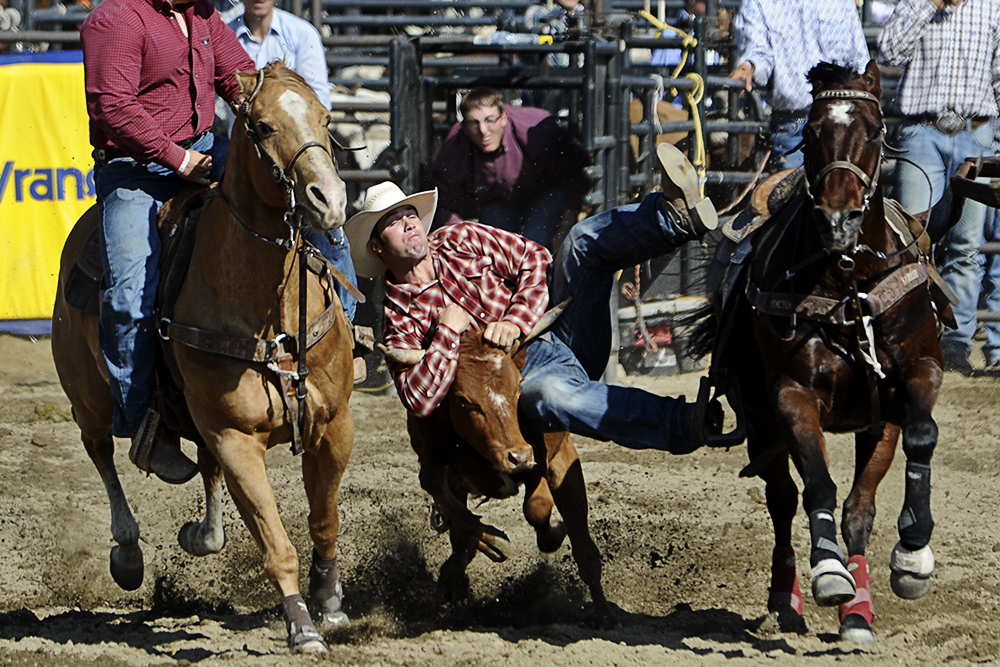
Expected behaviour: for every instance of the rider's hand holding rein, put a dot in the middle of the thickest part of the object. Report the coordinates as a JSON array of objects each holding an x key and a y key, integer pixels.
[{"x": 196, "y": 167}]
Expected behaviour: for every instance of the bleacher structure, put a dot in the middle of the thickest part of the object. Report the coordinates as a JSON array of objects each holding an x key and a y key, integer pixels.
[{"x": 417, "y": 55}]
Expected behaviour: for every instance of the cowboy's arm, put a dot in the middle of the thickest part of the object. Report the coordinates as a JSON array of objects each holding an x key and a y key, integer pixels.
[
  {"x": 523, "y": 263},
  {"x": 753, "y": 44},
  {"x": 423, "y": 386},
  {"x": 229, "y": 57},
  {"x": 899, "y": 38}
]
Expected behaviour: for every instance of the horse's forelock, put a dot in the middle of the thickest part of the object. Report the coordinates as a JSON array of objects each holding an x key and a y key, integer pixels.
[{"x": 824, "y": 74}]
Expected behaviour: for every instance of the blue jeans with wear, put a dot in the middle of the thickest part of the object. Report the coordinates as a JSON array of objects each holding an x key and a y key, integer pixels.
[
  {"x": 940, "y": 156},
  {"x": 129, "y": 195},
  {"x": 786, "y": 135},
  {"x": 559, "y": 386}
]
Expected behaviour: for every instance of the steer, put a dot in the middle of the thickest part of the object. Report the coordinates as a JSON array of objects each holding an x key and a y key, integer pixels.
[{"x": 473, "y": 444}]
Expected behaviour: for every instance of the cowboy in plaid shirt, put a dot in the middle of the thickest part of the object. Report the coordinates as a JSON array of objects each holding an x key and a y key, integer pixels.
[{"x": 469, "y": 275}]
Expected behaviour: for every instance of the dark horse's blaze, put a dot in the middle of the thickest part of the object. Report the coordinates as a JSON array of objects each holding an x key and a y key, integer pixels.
[{"x": 813, "y": 350}]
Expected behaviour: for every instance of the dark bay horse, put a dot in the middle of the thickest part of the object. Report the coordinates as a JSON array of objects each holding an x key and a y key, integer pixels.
[
  {"x": 828, "y": 326},
  {"x": 233, "y": 328}
]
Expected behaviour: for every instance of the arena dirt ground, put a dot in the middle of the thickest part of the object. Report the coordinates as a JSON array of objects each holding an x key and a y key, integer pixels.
[{"x": 686, "y": 545}]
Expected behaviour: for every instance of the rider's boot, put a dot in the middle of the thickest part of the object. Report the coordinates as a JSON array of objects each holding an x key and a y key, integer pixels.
[
  {"x": 157, "y": 451},
  {"x": 682, "y": 194}
]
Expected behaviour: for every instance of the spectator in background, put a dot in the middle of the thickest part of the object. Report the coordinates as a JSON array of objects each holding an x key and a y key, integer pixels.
[
  {"x": 780, "y": 42},
  {"x": 268, "y": 34},
  {"x": 948, "y": 93},
  {"x": 151, "y": 72},
  {"x": 515, "y": 168},
  {"x": 685, "y": 20}
]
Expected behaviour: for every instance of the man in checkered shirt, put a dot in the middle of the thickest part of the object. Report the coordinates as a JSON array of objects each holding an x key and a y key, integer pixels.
[
  {"x": 469, "y": 275},
  {"x": 949, "y": 92}
]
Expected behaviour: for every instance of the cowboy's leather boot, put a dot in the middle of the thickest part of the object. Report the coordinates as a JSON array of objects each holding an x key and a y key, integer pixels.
[
  {"x": 156, "y": 451},
  {"x": 681, "y": 192}
]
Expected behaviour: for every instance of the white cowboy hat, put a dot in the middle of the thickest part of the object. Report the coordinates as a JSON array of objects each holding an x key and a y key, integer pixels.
[{"x": 379, "y": 200}]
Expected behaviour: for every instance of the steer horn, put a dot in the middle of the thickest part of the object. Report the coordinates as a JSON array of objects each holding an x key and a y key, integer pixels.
[{"x": 402, "y": 356}]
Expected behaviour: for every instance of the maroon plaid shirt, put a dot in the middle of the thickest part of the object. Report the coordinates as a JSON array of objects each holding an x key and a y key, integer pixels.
[
  {"x": 148, "y": 86},
  {"x": 495, "y": 275}
]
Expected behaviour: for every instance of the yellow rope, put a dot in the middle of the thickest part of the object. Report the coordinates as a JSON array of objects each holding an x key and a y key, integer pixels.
[{"x": 693, "y": 96}]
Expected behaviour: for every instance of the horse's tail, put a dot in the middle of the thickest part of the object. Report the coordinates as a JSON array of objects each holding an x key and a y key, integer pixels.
[{"x": 701, "y": 325}]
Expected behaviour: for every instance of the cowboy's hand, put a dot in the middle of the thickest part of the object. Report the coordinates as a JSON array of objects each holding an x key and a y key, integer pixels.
[
  {"x": 744, "y": 72},
  {"x": 455, "y": 318},
  {"x": 199, "y": 167},
  {"x": 941, "y": 4},
  {"x": 501, "y": 334}
]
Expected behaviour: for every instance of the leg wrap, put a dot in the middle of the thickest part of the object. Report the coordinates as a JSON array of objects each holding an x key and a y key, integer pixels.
[
  {"x": 324, "y": 583},
  {"x": 915, "y": 522},
  {"x": 823, "y": 530},
  {"x": 784, "y": 593},
  {"x": 302, "y": 634},
  {"x": 862, "y": 603}
]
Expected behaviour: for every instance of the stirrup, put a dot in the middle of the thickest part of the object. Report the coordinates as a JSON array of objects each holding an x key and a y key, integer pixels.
[{"x": 734, "y": 437}]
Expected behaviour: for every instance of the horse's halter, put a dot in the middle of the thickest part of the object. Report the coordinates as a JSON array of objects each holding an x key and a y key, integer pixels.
[{"x": 870, "y": 182}]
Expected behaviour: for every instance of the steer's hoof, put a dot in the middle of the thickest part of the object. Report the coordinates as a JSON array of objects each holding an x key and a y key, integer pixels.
[
  {"x": 832, "y": 584},
  {"x": 855, "y": 629},
  {"x": 126, "y": 566},
  {"x": 551, "y": 537},
  {"x": 496, "y": 547},
  {"x": 308, "y": 640}
]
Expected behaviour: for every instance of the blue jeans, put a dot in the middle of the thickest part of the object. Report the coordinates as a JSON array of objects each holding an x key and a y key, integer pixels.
[
  {"x": 940, "y": 156},
  {"x": 785, "y": 137},
  {"x": 535, "y": 218},
  {"x": 559, "y": 387},
  {"x": 128, "y": 196},
  {"x": 335, "y": 247}
]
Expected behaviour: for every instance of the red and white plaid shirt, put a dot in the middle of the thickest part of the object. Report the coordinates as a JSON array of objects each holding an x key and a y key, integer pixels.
[
  {"x": 495, "y": 275},
  {"x": 148, "y": 86}
]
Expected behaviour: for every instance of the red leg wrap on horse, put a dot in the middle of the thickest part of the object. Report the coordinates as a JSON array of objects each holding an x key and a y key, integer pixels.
[
  {"x": 862, "y": 604},
  {"x": 784, "y": 591}
]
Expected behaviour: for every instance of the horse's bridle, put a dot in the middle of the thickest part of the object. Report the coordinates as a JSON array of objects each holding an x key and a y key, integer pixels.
[{"x": 870, "y": 182}]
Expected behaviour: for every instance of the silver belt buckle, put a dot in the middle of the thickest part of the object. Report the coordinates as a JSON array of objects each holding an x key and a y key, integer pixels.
[{"x": 950, "y": 123}]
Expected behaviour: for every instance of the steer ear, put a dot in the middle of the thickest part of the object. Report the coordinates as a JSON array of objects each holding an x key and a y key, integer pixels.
[{"x": 402, "y": 356}]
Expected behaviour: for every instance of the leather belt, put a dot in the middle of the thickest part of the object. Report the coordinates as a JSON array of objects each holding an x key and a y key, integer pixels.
[
  {"x": 951, "y": 123},
  {"x": 108, "y": 154},
  {"x": 783, "y": 116}
]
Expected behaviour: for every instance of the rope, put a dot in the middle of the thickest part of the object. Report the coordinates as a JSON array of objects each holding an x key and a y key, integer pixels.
[
  {"x": 750, "y": 186},
  {"x": 692, "y": 97}
]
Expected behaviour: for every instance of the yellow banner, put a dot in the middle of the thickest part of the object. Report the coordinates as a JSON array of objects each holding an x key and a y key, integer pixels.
[{"x": 46, "y": 175}]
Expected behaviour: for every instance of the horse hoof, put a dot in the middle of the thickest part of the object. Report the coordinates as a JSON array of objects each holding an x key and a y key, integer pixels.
[
  {"x": 127, "y": 566},
  {"x": 855, "y": 629},
  {"x": 333, "y": 619},
  {"x": 832, "y": 584},
  {"x": 308, "y": 640},
  {"x": 192, "y": 540},
  {"x": 909, "y": 586}
]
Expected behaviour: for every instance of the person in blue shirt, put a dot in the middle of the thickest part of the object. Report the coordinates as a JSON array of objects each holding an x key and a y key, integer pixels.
[
  {"x": 780, "y": 41},
  {"x": 268, "y": 34}
]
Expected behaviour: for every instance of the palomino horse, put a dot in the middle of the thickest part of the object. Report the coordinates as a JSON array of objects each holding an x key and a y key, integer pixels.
[
  {"x": 828, "y": 326},
  {"x": 241, "y": 294}
]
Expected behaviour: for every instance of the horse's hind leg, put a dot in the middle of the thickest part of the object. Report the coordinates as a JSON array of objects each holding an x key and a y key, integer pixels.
[
  {"x": 126, "y": 557},
  {"x": 912, "y": 559},
  {"x": 209, "y": 535},
  {"x": 569, "y": 490},
  {"x": 873, "y": 457},
  {"x": 322, "y": 471}
]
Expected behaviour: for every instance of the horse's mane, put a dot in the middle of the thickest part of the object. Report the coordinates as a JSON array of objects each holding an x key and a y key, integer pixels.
[
  {"x": 827, "y": 73},
  {"x": 277, "y": 69}
]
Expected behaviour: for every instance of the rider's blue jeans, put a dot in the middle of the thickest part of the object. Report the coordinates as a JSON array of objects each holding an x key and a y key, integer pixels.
[
  {"x": 535, "y": 218},
  {"x": 559, "y": 387},
  {"x": 128, "y": 196},
  {"x": 785, "y": 138},
  {"x": 940, "y": 156}
]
